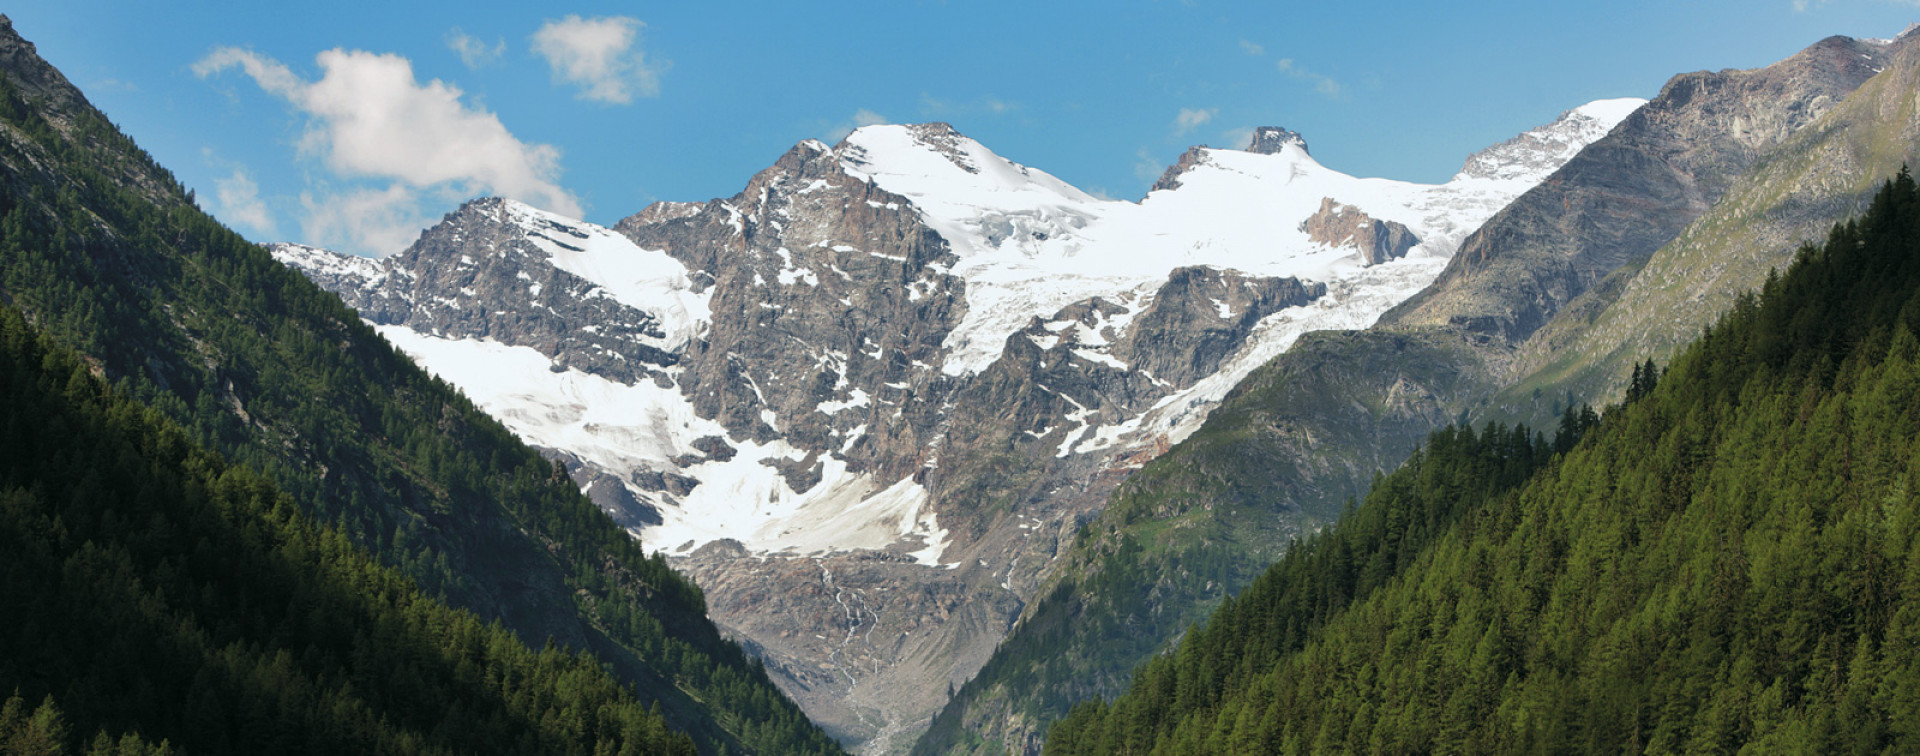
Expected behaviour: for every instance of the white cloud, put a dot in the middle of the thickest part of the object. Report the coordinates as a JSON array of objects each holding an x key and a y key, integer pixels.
[
  {"x": 1252, "y": 48},
  {"x": 1323, "y": 84},
  {"x": 861, "y": 117},
  {"x": 474, "y": 52},
  {"x": 1146, "y": 167},
  {"x": 383, "y": 221},
  {"x": 1237, "y": 138},
  {"x": 369, "y": 118},
  {"x": 598, "y": 55},
  {"x": 240, "y": 202},
  {"x": 1192, "y": 118}
]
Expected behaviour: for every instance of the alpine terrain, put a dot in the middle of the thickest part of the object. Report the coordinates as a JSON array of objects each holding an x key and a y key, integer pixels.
[
  {"x": 1310, "y": 430},
  {"x": 868, "y": 401}
]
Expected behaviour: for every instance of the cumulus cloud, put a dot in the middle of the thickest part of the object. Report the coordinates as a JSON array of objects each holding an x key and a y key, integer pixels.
[
  {"x": 598, "y": 55},
  {"x": 381, "y": 220},
  {"x": 472, "y": 51},
  {"x": 370, "y": 118},
  {"x": 1323, "y": 84},
  {"x": 1192, "y": 118},
  {"x": 240, "y": 201}
]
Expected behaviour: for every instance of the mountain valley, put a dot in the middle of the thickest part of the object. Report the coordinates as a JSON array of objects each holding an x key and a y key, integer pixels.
[{"x": 906, "y": 447}]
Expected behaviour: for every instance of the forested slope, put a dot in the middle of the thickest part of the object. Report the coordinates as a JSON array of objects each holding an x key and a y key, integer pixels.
[
  {"x": 1727, "y": 560},
  {"x": 157, "y": 594},
  {"x": 107, "y": 253}
]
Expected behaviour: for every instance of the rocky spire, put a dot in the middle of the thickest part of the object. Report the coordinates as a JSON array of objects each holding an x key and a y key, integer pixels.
[{"x": 1267, "y": 140}]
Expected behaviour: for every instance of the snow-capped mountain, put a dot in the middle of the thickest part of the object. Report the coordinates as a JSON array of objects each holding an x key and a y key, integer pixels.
[{"x": 865, "y": 400}]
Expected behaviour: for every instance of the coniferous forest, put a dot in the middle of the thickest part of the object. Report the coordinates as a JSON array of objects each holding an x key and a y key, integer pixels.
[
  {"x": 1727, "y": 560},
  {"x": 155, "y": 593}
]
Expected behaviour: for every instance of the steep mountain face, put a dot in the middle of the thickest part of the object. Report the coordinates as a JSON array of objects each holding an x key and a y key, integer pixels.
[
  {"x": 1792, "y": 196},
  {"x": 106, "y": 254},
  {"x": 868, "y": 400},
  {"x": 1625, "y": 197},
  {"x": 1308, "y": 430}
]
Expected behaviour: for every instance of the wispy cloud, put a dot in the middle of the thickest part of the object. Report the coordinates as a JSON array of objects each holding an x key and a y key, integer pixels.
[
  {"x": 1800, "y": 6},
  {"x": 381, "y": 220},
  {"x": 1237, "y": 138},
  {"x": 1146, "y": 167},
  {"x": 369, "y": 118},
  {"x": 599, "y": 56},
  {"x": 861, "y": 117},
  {"x": 1192, "y": 118},
  {"x": 1252, "y": 48},
  {"x": 936, "y": 107},
  {"x": 240, "y": 202},
  {"x": 1321, "y": 83},
  {"x": 472, "y": 51}
]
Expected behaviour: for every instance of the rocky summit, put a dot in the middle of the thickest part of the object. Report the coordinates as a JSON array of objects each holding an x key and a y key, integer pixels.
[{"x": 868, "y": 400}]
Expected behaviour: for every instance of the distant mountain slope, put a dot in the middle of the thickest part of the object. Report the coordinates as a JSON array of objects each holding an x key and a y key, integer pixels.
[
  {"x": 1828, "y": 170},
  {"x": 106, "y": 252},
  {"x": 156, "y": 593},
  {"x": 1310, "y": 429},
  {"x": 1726, "y": 563},
  {"x": 866, "y": 400},
  {"x": 1624, "y": 197}
]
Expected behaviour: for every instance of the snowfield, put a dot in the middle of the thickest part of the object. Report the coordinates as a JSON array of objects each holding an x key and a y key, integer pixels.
[{"x": 1028, "y": 245}]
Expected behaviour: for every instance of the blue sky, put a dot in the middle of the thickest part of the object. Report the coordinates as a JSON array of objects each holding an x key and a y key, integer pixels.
[{"x": 352, "y": 124}]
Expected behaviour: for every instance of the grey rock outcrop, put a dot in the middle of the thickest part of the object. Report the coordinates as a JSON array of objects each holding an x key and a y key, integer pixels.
[
  {"x": 1376, "y": 241},
  {"x": 481, "y": 274},
  {"x": 1270, "y": 140}
]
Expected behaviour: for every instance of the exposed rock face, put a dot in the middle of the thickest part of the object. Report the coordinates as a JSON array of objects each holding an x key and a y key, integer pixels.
[
  {"x": 845, "y": 401},
  {"x": 487, "y": 272},
  {"x": 1823, "y": 173},
  {"x": 1620, "y": 199},
  {"x": 828, "y": 292},
  {"x": 1269, "y": 140},
  {"x": 1170, "y": 179},
  {"x": 1377, "y": 241}
]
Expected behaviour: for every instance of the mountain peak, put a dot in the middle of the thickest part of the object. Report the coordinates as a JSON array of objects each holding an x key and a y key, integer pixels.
[
  {"x": 1269, "y": 140},
  {"x": 1532, "y": 155}
]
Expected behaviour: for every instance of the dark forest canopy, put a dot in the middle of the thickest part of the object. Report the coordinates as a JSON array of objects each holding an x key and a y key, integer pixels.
[{"x": 157, "y": 594}]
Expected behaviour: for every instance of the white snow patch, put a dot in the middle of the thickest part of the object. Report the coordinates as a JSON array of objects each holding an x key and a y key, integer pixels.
[
  {"x": 858, "y": 398},
  {"x": 1030, "y": 244},
  {"x": 644, "y": 279},
  {"x": 623, "y": 429}
]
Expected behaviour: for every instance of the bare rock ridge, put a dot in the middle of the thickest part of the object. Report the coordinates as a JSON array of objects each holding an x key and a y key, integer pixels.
[
  {"x": 1270, "y": 140},
  {"x": 1338, "y": 225},
  {"x": 1170, "y": 178},
  {"x": 1266, "y": 140},
  {"x": 1623, "y": 197}
]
